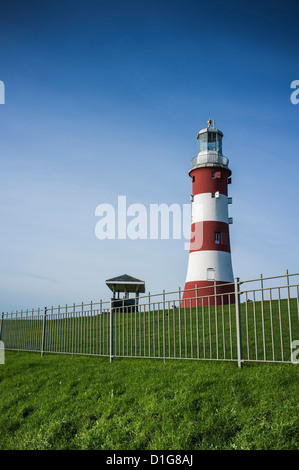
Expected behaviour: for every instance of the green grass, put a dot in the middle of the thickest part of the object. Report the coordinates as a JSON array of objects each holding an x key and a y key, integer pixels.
[{"x": 80, "y": 402}]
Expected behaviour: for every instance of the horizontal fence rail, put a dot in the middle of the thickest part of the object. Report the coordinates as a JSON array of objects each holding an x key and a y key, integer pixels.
[{"x": 256, "y": 320}]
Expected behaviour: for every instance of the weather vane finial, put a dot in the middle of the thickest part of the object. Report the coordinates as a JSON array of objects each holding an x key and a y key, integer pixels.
[{"x": 209, "y": 121}]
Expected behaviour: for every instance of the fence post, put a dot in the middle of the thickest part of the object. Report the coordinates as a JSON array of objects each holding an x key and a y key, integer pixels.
[
  {"x": 149, "y": 325},
  {"x": 263, "y": 317},
  {"x": 1, "y": 325},
  {"x": 180, "y": 328},
  {"x": 90, "y": 341},
  {"x": 111, "y": 331},
  {"x": 44, "y": 332},
  {"x": 164, "y": 345},
  {"x": 73, "y": 327},
  {"x": 197, "y": 325},
  {"x": 289, "y": 307},
  {"x": 216, "y": 319},
  {"x": 238, "y": 321}
]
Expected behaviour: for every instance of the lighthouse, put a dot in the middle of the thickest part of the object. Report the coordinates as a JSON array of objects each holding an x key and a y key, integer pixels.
[{"x": 210, "y": 266}]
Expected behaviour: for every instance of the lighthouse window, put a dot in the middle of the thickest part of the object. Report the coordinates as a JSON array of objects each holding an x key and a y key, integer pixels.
[
  {"x": 213, "y": 174},
  {"x": 217, "y": 238},
  {"x": 193, "y": 179},
  {"x": 219, "y": 145},
  {"x": 210, "y": 141},
  {"x": 210, "y": 274},
  {"x": 203, "y": 142}
]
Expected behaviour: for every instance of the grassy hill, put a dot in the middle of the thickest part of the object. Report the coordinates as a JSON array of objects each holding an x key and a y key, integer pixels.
[{"x": 80, "y": 402}]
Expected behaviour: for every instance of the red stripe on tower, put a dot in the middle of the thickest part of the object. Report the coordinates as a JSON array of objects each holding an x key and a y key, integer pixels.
[{"x": 210, "y": 267}]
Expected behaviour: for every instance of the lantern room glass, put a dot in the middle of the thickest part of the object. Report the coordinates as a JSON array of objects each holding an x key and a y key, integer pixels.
[{"x": 210, "y": 141}]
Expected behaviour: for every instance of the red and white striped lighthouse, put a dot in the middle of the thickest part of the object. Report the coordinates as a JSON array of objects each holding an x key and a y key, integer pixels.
[{"x": 210, "y": 264}]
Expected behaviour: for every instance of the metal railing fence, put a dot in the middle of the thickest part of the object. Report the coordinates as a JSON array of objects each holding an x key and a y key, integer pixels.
[{"x": 258, "y": 320}]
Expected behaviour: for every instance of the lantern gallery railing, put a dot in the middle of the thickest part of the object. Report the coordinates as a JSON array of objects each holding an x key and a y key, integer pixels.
[
  {"x": 203, "y": 159},
  {"x": 258, "y": 321}
]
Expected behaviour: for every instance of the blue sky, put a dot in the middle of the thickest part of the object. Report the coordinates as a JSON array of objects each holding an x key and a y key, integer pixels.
[{"x": 105, "y": 98}]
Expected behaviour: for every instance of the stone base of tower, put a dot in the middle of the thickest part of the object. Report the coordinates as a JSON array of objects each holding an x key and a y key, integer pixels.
[{"x": 205, "y": 292}]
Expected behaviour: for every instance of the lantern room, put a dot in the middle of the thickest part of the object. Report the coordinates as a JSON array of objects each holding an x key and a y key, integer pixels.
[{"x": 210, "y": 138}]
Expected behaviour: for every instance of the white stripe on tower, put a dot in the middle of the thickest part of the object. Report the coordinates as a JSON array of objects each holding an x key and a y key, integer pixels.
[
  {"x": 200, "y": 261},
  {"x": 208, "y": 207}
]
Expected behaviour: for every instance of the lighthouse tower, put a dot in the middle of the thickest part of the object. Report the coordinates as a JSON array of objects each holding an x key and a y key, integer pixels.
[{"x": 210, "y": 267}]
